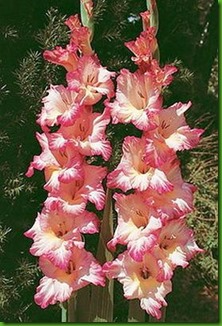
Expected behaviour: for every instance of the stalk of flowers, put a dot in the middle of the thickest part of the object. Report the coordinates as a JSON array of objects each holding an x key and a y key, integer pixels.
[
  {"x": 151, "y": 219},
  {"x": 71, "y": 182}
]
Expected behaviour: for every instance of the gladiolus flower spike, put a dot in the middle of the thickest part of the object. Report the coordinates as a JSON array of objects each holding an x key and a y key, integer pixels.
[
  {"x": 151, "y": 219},
  {"x": 71, "y": 182}
]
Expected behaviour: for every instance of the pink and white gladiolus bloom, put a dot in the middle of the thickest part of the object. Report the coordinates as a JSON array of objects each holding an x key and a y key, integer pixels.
[
  {"x": 86, "y": 135},
  {"x": 60, "y": 165},
  {"x": 58, "y": 284},
  {"x": 91, "y": 81},
  {"x": 133, "y": 173},
  {"x": 61, "y": 106},
  {"x": 144, "y": 47},
  {"x": 175, "y": 246},
  {"x": 171, "y": 134},
  {"x": 55, "y": 233},
  {"x": 137, "y": 223},
  {"x": 139, "y": 281},
  {"x": 72, "y": 197},
  {"x": 175, "y": 203},
  {"x": 137, "y": 101}
]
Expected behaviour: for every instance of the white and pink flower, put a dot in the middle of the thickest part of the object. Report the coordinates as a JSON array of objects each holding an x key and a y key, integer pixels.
[
  {"x": 171, "y": 134},
  {"x": 86, "y": 135},
  {"x": 133, "y": 173},
  {"x": 175, "y": 246},
  {"x": 60, "y": 165},
  {"x": 136, "y": 227},
  {"x": 68, "y": 57},
  {"x": 61, "y": 106},
  {"x": 55, "y": 233},
  {"x": 139, "y": 281},
  {"x": 91, "y": 81},
  {"x": 58, "y": 284},
  {"x": 138, "y": 100},
  {"x": 144, "y": 47},
  {"x": 72, "y": 197},
  {"x": 175, "y": 203}
]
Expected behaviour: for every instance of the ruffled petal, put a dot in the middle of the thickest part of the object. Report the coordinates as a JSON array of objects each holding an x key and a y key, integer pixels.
[{"x": 51, "y": 291}]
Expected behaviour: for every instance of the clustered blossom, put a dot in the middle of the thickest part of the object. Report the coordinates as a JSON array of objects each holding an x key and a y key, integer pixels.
[
  {"x": 71, "y": 182},
  {"x": 151, "y": 219},
  {"x": 152, "y": 216}
]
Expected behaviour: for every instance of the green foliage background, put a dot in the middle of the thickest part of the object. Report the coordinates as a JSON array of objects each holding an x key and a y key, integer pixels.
[{"x": 187, "y": 36}]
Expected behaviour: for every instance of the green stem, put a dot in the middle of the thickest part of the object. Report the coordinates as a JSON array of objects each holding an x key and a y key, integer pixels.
[
  {"x": 101, "y": 307},
  {"x": 135, "y": 314},
  {"x": 106, "y": 229},
  {"x": 72, "y": 308},
  {"x": 154, "y": 22},
  {"x": 63, "y": 307},
  {"x": 82, "y": 304},
  {"x": 87, "y": 17},
  {"x": 154, "y": 19}
]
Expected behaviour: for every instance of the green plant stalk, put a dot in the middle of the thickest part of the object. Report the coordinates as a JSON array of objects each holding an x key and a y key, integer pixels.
[
  {"x": 63, "y": 312},
  {"x": 86, "y": 17},
  {"x": 72, "y": 308},
  {"x": 154, "y": 16},
  {"x": 154, "y": 22},
  {"x": 101, "y": 307},
  {"x": 83, "y": 301},
  {"x": 135, "y": 314}
]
